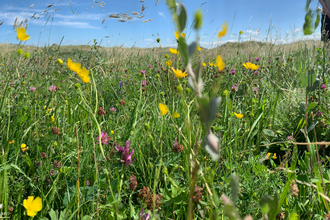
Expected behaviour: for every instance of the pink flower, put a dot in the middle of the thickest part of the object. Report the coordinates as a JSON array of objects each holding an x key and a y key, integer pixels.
[
  {"x": 143, "y": 83},
  {"x": 233, "y": 72},
  {"x": 256, "y": 89},
  {"x": 104, "y": 138},
  {"x": 143, "y": 72},
  {"x": 235, "y": 87},
  {"x": 52, "y": 88},
  {"x": 113, "y": 109},
  {"x": 257, "y": 58},
  {"x": 323, "y": 86},
  {"x": 126, "y": 156},
  {"x": 32, "y": 89}
]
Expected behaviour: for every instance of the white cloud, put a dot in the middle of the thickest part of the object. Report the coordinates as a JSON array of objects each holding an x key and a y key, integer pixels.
[
  {"x": 161, "y": 14},
  {"x": 297, "y": 30}
]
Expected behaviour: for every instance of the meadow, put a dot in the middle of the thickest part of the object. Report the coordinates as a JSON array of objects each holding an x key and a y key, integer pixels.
[{"x": 239, "y": 131}]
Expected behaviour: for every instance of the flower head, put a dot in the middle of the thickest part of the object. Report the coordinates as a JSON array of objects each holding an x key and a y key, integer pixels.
[
  {"x": 257, "y": 59},
  {"x": 32, "y": 205},
  {"x": 52, "y": 88},
  {"x": 104, "y": 138},
  {"x": 19, "y": 51},
  {"x": 173, "y": 51},
  {"x": 204, "y": 64},
  {"x": 143, "y": 83},
  {"x": 211, "y": 63},
  {"x": 256, "y": 89},
  {"x": 27, "y": 55},
  {"x": 73, "y": 66},
  {"x": 178, "y": 73},
  {"x": 143, "y": 72},
  {"x": 235, "y": 87},
  {"x": 163, "y": 109},
  {"x": 32, "y": 89},
  {"x": 224, "y": 30},
  {"x": 126, "y": 156},
  {"x": 238, "y": 115},
  {"x": 59, "y": 61},
  {"x": 240, "y": 32},
  {"x": 274, "y": 156},
  {"x": 323, "y": 86},
  {"x": 220, "y": 64},
  {"x": 199, "y": 48},
  {"x": 233, "y": 71},
  {"x": 21, "y": 34},
  {"x": 175, "y": 115},
  {"x": 144, "y": 215},
  {"x": 251, "y": 66},
  {"x": 113, "y": 109},
  {"x": 169, "y": 63}
]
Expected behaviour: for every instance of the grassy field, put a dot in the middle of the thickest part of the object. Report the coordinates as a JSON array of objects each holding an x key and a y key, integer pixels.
[{"x": 115, "y": 133}]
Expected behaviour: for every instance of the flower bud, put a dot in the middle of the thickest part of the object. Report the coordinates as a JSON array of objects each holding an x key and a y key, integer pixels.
[
  {"x": 179, "y": 88},
  {"x": 19, "y": 51},
  {"x": 198, "y": 19},
  {"x": 146, "y": 126},
  {"x": 27, "y": 55},
  {"x": 59, "y": 61}
]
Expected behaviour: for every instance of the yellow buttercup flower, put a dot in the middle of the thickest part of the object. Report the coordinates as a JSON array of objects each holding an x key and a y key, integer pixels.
[
  {"x": 24, "y": 149},
  {"x": 59, "y": 61},
  {"x": 204, "y": 64},
  {"x": 83, "y": 73},
  {"x": 221, "y": 65},
  {"x": 274, "y": 157},
  {"x": 53, "y": 118},
  {"x": 173, "y": 51},
  {"x": 169, "y": 63},
  {"x": 268, "y": 154},
  {"x": 41, "y": 51},
  {"x": 178, "y": 73},
  {"x": 32, "y": 205},
  {"x": 176, "y": 34},
  {"x": 241, "y": 32},
  {"x": 112, "y": 132},
  {"x": 21, "y": 34},
  {"x": 251, "y": 66},
  {"x": 199, "y": 48},
  {"x": 47, "y": 111},
  {"x": 23, "y": 146},
  {"x": 75, "y": 67},
  {"x": 215, "y": 65},
  {"x": 45, "y": 107},
  {"x": 183, "y": 35},
  {"x": 224, "y": 30},
  {"x": 238, "y": 115},
  {"x": 211, "y": 63},
  {"x": 163, "y": 109},
  {"x": 175, "y": 115}
]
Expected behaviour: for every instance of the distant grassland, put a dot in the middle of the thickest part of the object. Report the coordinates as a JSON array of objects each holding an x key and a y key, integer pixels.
[{"x": 226, "y": 50}]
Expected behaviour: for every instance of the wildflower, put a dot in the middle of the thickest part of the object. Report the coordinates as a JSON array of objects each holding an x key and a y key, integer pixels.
[
  {"x": 55, "y": 144},
  {"x": 27, "y": 55},
  {"x": 144, "y": 193},
  {"x": 175, "y": 115},
  {"x": 256, "y": 89},
  {"x": 158, "y": 40},
  {"x": 319, "y": 113},
  {"x": 104, "y": 138},
  {"x": 45, "y": 107},
  {"x": 143, "y": 83},
  {"x": 176, "y": 34},
  {"x": 43, "y": 155},
  {"x": 55, "y": 130},
  {"x": 183, "y": 35},
  {"x": 32, "y": 205},
  {"x": 178, "y": 73},
  {"x": 56, "y": 164},
  {"x": 294, "y": 189},
  {"x": 233, "y": 71},
  {"x": 51, "y": 172},
  {"x": 240, "y": 32},
  {"x": 274, "y": 157},
  {"x": 47, "y": 110},
  {"x": 224, "y": 30},
  {"x": 157, "y": 201},
  {"x": 256, "y": 72},
  {"x": 235, "y": 87},
  {"x": 113, "y": 109},
  {"x": 211, "y": 63},
  {"x": 19, "y": 51},
  {"x": 198, "y": 193},
  {"x": 52, "y": 118},
  {"x": 204, "y": 64},
  {"x": 133, "y": 182},
  {"x": 251, "y": 66},
  {"x": 144, "y": 215},
  {"x": 11, "y": 142},
  {"x": 268, "y": 155},
  {"x": 238, "y": 115},
  {"x": 52, "y": 88},
  {"x": 73, "y": 66},
  {"x": 169, "y": 63},
  {"x": 23, "y": 146},
  {"x": 101, "y": 111},
  {"x": 323, "y": 86},
  {"x": 173, "y": 51},
  {"x": 143, "y": 72},
  {"x": 220, "y": 63},
  {"x": 59, "y": 61},
  {"x": 126, "y": 156},
  {"x": 177, "y": 148},
  {"x": 199, "y": 48},
  {"x": 21, "y": 34},
  {"x": 112, "y": 132},
  {"x": 163, "y": 109},
  {"x": 215, "y": 65},
  {"x": 290, "y": 138},
  {"x": 166, "y": 56},
  {"x": 257, "y": 59},
  {"x": 83, "y": 73},
  {"x": 149, "y": 66},
  {"x": 32, "y": 89}
]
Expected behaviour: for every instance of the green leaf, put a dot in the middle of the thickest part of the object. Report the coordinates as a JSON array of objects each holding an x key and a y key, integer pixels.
[
  {"x": 182, "y": 18},
  {"x": 171, "y": 4},
  {"x": 308, "y": 27},
  {"x": 183, "y": 49},
  {"x": 317, "y": 21},
  {"x": 314, "y": 87},
  {"x": 234, "y": 185},
  {"x": 311, "y": 106},
  {"x": 270, "y": 133}
]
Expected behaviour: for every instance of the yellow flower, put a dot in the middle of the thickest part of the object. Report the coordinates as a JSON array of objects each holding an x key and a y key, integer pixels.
[
  {"x": 75, "y": 67},
  {"x": 169, "y": 63},
  {"x": 183, "y": 35},
  {"x": 55, "y": 144},
  {"x": 21, "y": 34},
  {"x": 215, "y": 65},
  {"x": 173, "y": 51},
  {"x": 23, "y": 146},
  {"x": 238, "y": 115},
  {"x": 24, "y": 149},
  {"x": 199, "y": 48},
  {"x": 112, "y": 132},
  {"x": 59, "y": 61},
  {"x": 53, "y": 118},
  {"x": 211, "y": 63},
  {"x": 2, "y": 64},
  {"x": 220, "y": 63},
  {"x": 175, "y": 115},
  {"x": 32, "y": 205},
  {"x": 251, "y": 66},
  {"x": 11, "y": 142},
  {"x": 41, "y": 51},
  {"x": 268, "y": 154},
  {"x": 240, "y": 32},
  {"x": 47, "y": 111},
  {"x": 204, "y": 64},
  {"x": 178, "y": 73},
  {"x": 176, "y": 34},
  {"x": 83, "y": 73},
  {"x": 224, "y": 30},
  {"x": 163, "y": 109},
  {"x": 45, "y": 107},
  {"x": 274, "y": 157}
]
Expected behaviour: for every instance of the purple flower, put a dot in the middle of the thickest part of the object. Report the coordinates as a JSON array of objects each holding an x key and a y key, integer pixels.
[
  {"x": 63, "y": 81},
  {"x": 32, "y": 89},
  {"x": 158, "y": 63},
  {"x": 268, "y": 61},
  {"x": 23, "y": 75},
  {"x": 126, "y": 156},
  {"x": 144, "y": 215},
  {"x": 257, "y": 59},
  {"x": 319, "y": 113},
  {"x": 52, "y": 88},
  {"x": 149, "y": 66},
  {"x": 235, "y": 87},
  {"x": 256, "y": 72},
  {"x": 104, "y": 138},
  {"x": 143, "y": 72},
  {"x": 233, "y": 72},
  {"x": 282, "y": 60},
  {"x": 143, "y": 83},
  {"x": 290, "y": 138},
  {"x": 323, "y": 86},
  {"x": 113, "y": 109},
  {"x": 256, "y": 89}
]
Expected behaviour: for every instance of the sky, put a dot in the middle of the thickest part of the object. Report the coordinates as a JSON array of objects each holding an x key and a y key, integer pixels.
[{"x": 79, "y": 22}]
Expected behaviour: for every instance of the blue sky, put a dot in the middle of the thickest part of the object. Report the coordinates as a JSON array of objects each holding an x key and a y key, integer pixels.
[{"x": 81, "y": 22}]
